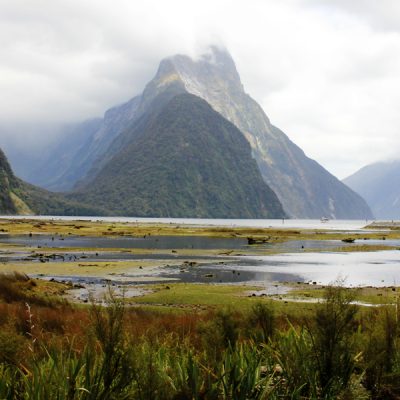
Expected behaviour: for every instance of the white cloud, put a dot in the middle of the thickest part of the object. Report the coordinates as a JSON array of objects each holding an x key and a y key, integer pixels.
[
  {"x": 326, "y": 72},
  {"x": 379, "y": 14}
]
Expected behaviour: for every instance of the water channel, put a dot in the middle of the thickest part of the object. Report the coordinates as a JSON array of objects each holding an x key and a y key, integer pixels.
[{"x": 297, "y": 261}]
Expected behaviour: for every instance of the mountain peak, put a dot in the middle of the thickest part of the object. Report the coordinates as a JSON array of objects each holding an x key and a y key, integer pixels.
[
  {"x": 216, "y": 65},
  {"x": 218, "y": 55},
  {"x": 295, "y": 178}
]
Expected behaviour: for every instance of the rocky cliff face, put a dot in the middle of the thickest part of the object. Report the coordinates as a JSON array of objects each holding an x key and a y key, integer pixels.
[
  {"x": 305, "y": 188},
  {"x": 379, "y": 185}
]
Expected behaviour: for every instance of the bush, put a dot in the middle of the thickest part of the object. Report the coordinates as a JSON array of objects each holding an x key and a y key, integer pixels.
[
  {"x": 331, "y": 332},
  {"x": 262, "y": 321},
  {"x": 11, "y": 346}
]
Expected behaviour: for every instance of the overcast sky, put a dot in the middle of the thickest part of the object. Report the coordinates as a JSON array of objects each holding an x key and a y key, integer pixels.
[{"x": 327, "y": 72}]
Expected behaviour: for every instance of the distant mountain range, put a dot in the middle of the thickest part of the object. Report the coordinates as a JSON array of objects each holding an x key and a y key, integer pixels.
[
  {"x": 19, "y": 197},
  {"x": 127, "y": 162},
  {"x": 379, "y": 184}
]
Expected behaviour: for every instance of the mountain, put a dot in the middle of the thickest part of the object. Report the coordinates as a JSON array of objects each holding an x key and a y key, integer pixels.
[
  {"x": 19, "y": 197},
  {"x": 379, "y": 184},
  {"x": 79, "y": 145},
  {"x": 55, "y": 172},
  {"x": 7, "y": 181},
  {"x": 184, "y": 160},
  {"x": 305, "y": 188},
  {"x": 146, "y": 109}
]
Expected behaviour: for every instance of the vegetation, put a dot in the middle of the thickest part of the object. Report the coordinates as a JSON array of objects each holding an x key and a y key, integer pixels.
[
  {"x": 190, "y": 341},
  {"x": 367, "y": 295},
  {"x": 43, "y": 202},
  {"x": 18, "y": 197},
  {"x": 186, "y": 294},
  {"x": 174, "y": 167},
  {"x": 116, "y": 229},
  {"x": 52, "y": 350},
  {"x": 7, "y": 180}
]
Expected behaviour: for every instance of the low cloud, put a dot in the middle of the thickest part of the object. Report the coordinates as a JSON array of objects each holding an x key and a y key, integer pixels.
[{"x": 326, "y": 72}]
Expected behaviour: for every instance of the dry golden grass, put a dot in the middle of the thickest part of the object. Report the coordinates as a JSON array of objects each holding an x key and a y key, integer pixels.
[{"x": 99, "y": 228}]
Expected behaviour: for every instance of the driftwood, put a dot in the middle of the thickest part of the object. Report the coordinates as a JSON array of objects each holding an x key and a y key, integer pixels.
[
  {"x": 348, "y": 240},
  {"x": 251, "y": 240}
]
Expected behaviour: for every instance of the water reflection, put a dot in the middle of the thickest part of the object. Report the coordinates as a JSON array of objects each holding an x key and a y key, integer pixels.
[
  {"x": 358, "y": 268},
  {"x": 296, "y": 264},
  {"x": 128, "y": 242}
]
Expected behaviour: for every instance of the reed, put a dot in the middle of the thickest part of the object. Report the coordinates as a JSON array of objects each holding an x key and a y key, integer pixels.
[{"x": 337, "y": 351}]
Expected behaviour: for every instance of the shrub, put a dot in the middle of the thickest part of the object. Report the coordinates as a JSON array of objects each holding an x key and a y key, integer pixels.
[
  {"x": 262, "y": 319},
  {"x": 331, "y": 333},
  {"x": 11, "y": 346}
]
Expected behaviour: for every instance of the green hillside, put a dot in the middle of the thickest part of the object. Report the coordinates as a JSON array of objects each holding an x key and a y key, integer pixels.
[
  {"x": 7, "y": 182},
  {"x": 18, "y": 197},
  {"x": 188, "y": 161}
]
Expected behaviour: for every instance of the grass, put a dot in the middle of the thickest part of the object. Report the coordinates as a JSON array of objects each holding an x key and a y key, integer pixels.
[
  {"x": 192, "y": 296},
  {"x": 368, "y": 295},
  {"x": 196, "y": 294},
  {"x": 363, "y": 248},
  {"x": 232, "y": 347},
  {"x": 394, "y": 225},
  {"x": 334, "y": 351},
  {"x": 81, "y": 268},
  {"x": 99, "y": 228},
  {"x": 18, "y": 287}
]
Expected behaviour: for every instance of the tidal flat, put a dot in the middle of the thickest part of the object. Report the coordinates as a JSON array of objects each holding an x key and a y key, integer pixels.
[{"x": 133, "y": 257}]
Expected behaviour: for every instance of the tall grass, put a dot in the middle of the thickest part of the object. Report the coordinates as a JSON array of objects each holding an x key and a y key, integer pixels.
[{"x": 339, "y": 352}]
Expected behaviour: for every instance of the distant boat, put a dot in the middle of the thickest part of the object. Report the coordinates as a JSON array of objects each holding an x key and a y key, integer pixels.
[{"x": 324, "y": 219}]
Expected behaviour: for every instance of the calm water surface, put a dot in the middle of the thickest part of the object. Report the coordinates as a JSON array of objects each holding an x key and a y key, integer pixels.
[
  {"x": 357, "y": 268},
  {"x": 127, "y": 242}
]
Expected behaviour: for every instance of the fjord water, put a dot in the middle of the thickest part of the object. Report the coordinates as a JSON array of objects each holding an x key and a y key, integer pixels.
[{"x": 334, "y": 224}]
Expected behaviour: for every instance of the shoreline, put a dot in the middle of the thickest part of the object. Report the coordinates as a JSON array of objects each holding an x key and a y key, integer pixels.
[{"x": 65, "y": 259}]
